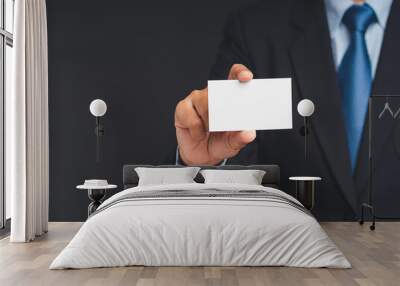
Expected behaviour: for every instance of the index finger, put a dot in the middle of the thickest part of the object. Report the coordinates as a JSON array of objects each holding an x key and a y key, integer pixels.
[{"x": 200, "y": 103}]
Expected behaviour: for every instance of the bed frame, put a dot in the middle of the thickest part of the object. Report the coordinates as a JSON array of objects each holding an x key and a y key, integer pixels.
[{"x": 271, "y": 178}]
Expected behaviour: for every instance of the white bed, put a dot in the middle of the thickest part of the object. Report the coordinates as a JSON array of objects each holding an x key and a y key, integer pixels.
[{"x": 250, "y": 225}]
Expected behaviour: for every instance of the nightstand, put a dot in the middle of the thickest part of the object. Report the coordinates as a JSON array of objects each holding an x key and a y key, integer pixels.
[
  {"x": 96, "y": 194},
  {"x": 305, "y": 190}
]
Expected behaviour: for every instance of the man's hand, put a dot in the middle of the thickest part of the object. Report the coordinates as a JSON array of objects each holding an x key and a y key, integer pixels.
[{"x": 198, "y": 146}]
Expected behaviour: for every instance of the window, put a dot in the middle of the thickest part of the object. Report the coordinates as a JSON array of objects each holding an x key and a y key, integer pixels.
[{"x": 6, "y": 62}]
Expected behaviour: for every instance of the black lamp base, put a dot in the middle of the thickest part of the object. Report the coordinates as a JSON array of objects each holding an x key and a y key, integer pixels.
[
  {"x": 96, "y": 197},
  {"x": 305, "y": 191}
]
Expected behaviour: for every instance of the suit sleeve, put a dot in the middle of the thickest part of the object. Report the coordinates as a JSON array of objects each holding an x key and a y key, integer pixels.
[{"x": 233, "y": 50}]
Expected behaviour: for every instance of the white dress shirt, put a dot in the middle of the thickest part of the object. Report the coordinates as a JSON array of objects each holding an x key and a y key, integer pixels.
[{"x": 340, "y": 36}]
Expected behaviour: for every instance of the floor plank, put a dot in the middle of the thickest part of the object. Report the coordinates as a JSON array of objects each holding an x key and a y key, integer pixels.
[{"x": 375, "y": 257}]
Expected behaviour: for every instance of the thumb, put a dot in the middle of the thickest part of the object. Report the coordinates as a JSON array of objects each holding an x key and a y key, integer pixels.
[{"x": 240, "y": 72}]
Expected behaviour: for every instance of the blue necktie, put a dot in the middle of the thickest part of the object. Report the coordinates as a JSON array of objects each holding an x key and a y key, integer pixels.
[{"x": 355, "y": 77}]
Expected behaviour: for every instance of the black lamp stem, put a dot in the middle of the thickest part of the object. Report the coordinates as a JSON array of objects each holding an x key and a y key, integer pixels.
[
  {"x": 305, "y": 136},
  {"x": 97, "y": 139}
]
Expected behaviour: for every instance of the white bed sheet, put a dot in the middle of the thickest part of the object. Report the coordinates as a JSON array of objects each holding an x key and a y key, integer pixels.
[{"x": 200, "y": 231}]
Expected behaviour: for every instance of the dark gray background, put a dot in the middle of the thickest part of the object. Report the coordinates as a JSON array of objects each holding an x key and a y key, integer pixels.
[{"x": 141, "y": 57}]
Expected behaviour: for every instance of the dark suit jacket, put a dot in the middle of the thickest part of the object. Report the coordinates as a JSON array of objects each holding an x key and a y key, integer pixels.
[{"x": 290, "y": 38}]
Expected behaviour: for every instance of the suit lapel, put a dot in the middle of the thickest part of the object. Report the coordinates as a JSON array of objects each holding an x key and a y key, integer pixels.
[
  {"x": 387, "y": 77},
  {"x": 315, "y": 75},
  {"x": 386, "y": 82}
]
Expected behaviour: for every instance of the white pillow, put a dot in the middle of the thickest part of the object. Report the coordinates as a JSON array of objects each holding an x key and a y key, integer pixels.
[
  {"x": 248, "y": 177},
  {"x": 163, "y": 176}
]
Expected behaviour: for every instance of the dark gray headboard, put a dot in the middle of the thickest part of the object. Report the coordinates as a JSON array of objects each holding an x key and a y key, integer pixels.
[{"x": 271, "y": 177}]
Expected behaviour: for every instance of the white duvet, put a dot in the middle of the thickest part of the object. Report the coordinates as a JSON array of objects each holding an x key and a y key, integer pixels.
[{"x": 200, "y": 231}]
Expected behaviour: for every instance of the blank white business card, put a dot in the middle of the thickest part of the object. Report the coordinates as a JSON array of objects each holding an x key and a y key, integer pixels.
[{"x": 261, "y": 104}]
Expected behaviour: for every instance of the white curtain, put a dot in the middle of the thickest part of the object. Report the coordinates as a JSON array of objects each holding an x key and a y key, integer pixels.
[{"x": 27, "y": 147}]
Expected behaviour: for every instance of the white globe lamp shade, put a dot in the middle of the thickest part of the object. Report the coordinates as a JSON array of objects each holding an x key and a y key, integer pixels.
[
  {"x": 305, "y": 108},
  {"x": 98, "y": 107}
]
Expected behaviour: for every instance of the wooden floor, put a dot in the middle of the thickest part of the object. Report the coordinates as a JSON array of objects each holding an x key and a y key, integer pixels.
[{"x": 375, "y": 257}]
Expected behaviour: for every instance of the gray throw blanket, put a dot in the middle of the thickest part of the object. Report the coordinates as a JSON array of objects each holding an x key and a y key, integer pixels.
[{"x": 204, "y": 194}]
